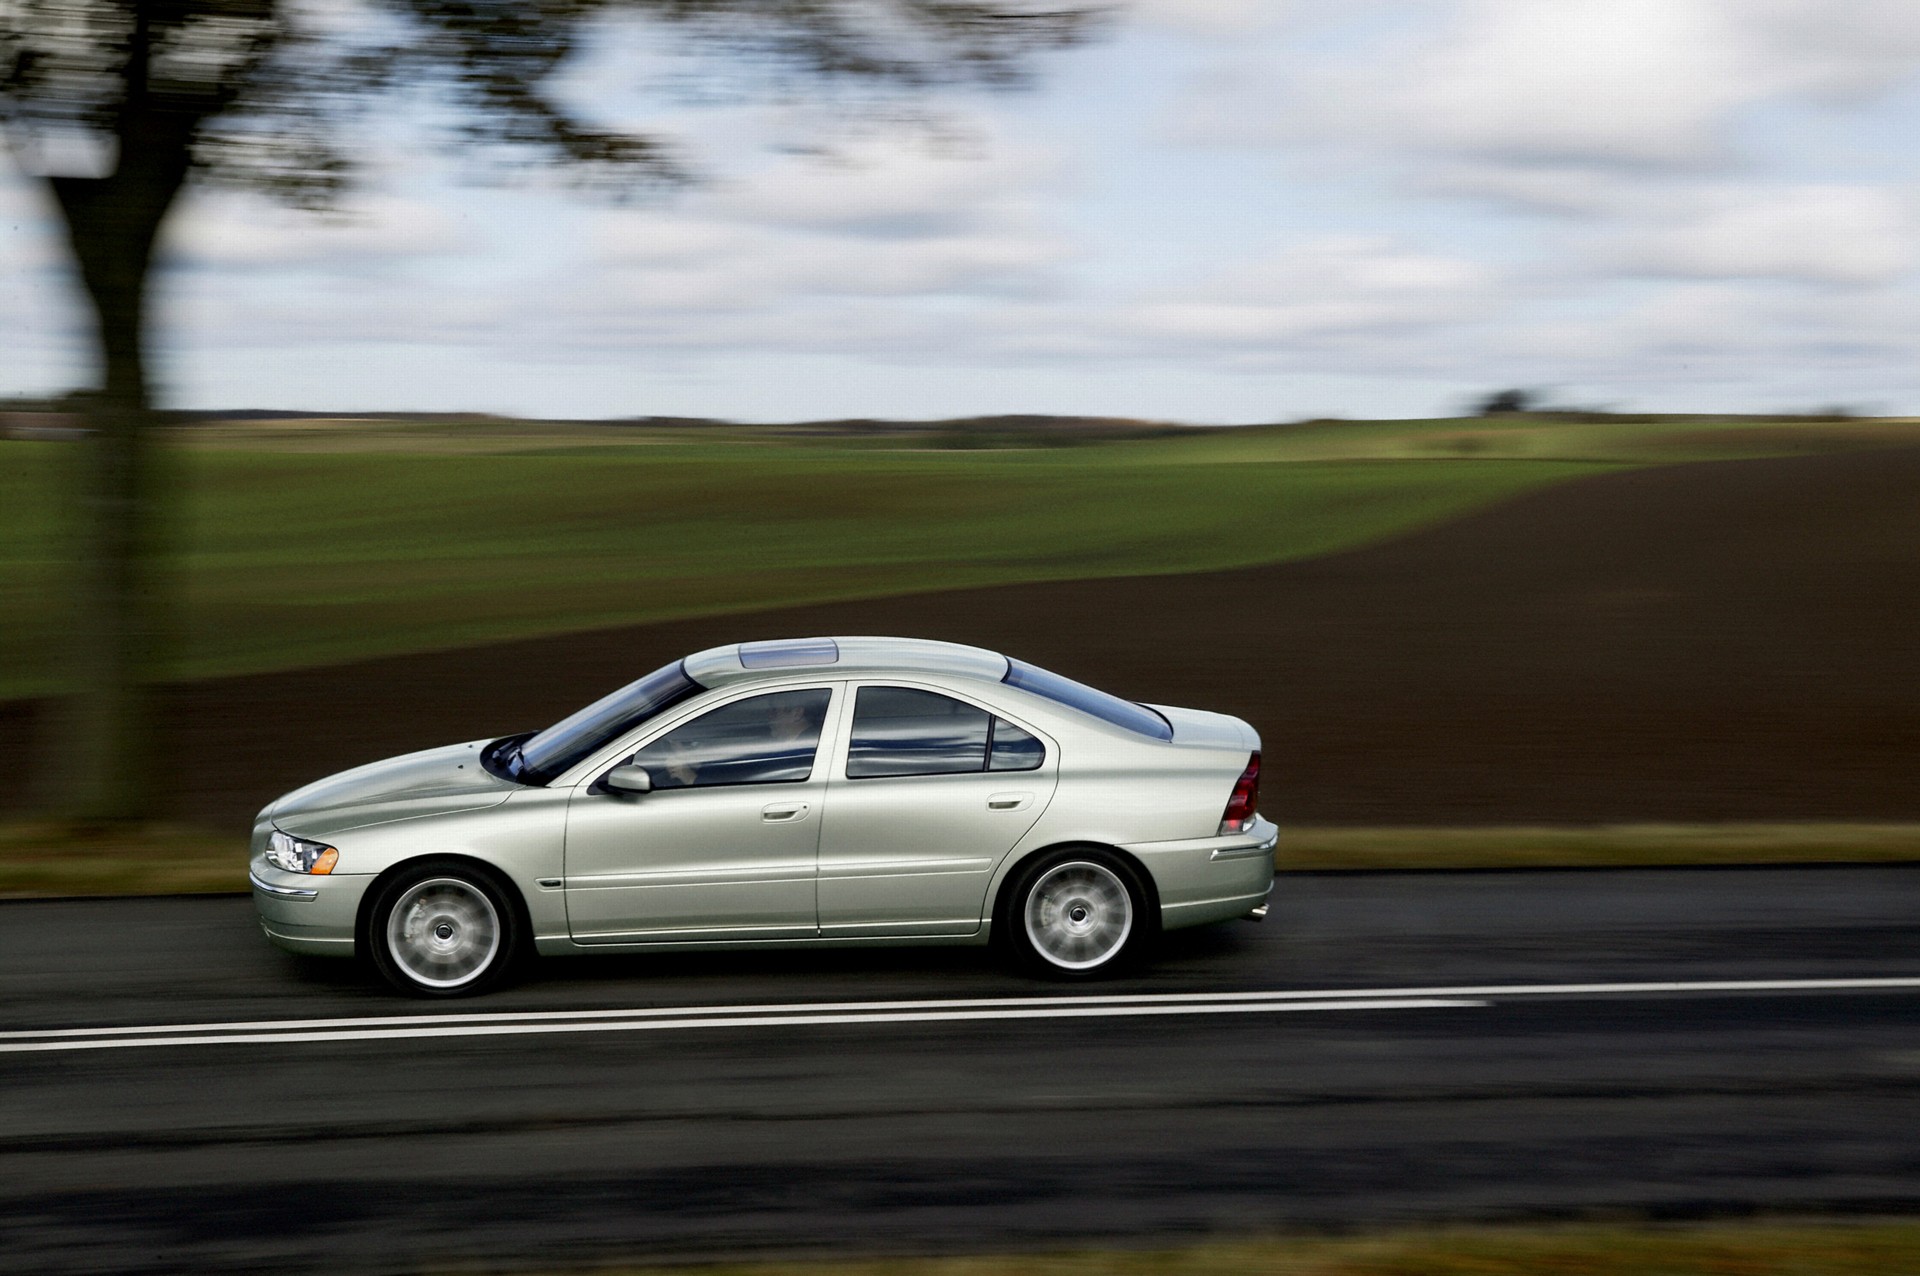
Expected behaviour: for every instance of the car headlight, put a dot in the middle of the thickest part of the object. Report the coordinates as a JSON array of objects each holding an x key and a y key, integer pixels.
[{"x": 297, "y": 855}]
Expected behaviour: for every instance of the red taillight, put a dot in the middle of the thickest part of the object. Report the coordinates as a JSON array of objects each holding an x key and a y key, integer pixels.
[{"x": 1246, "y": 797}]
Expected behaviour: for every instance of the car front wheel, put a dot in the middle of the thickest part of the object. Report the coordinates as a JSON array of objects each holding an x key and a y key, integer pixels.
[
  {"x": 1076, "y": 915},
  {"x": 443, "y": 930}
]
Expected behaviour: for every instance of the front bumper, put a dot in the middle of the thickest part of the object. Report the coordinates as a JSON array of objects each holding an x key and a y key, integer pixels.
[{"x": 307, "y": 914}]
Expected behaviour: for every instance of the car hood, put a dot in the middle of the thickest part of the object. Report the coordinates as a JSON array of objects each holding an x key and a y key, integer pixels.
[{"x": 432, "y": 782}]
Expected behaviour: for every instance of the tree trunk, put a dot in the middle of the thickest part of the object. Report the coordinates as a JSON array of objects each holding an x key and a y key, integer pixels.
[{"x": 104, "y": 769}]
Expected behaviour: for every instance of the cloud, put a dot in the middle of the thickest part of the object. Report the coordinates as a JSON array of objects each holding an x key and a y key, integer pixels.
[
  {"x": 894, "y": 193},
  {"x": 1819, "y": 233},
  {"x": 1588, "y": 155},
  {"x": 202, "y": 310},
  {"x": 1611, "y": 82},
  {"x": 1732, "y": 344},
  {"x": 29, "y": 240},
  {"x": 864, "y": 257},
  {"x": 876, "y": 224},
  {"x": 1808, "y": 47},
  {"x": 1219, "y": 19},
  {"x": 1328, "y": 288},
  {"x": 247, "y": 232},
  {"x": 666, "y": 262},
  {"x": 1497, "y": 90}
]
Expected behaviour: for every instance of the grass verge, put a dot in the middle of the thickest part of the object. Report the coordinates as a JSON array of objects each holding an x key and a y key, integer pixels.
[
  {"x": 45, "y": 859},
  {"x": 1699, "y": 1249},
  {"x": 39, "y": 859},
  {"x": 1600, "y": 846}
]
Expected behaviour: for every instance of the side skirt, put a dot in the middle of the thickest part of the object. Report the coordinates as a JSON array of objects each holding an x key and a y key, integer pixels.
[{"x": 563, "y": 945}]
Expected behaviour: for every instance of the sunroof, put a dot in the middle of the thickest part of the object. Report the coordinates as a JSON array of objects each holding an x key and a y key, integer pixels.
[{"x": 785, "y": 653}]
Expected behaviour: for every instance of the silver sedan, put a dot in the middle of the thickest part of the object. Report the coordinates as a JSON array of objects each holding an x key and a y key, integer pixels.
[{"x": 875, "y": 791}]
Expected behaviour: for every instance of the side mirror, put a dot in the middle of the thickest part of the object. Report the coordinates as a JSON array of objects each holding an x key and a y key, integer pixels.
[{"x": 630, "y": 779}]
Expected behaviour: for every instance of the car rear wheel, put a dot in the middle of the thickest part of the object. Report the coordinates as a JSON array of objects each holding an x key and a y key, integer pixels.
[
  {"x": 443, "y": 930},
  {"x": 1076, "y": 915}
]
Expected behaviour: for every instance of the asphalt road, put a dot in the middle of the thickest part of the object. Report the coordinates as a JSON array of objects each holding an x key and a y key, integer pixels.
[{"x": 710, "y": 1131}]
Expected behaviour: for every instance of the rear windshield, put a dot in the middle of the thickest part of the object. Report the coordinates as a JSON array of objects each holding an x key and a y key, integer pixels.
[
  {"x": 546, "y": 754},
  {"x": 1077, "y": 695}
]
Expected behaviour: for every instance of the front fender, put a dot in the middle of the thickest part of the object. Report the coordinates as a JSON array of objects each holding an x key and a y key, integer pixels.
[{"x": 522, "y": 838}]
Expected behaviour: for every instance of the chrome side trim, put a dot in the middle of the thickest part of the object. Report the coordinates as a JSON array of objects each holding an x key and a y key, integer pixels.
[
  {"x": 899, "y": 928},
  {"x": 280, "y": 892},
  {"x": 1263, "y": 836},
  {"x": 695, "y": 934},
  {"x": 1250, "y": 901},
  {"x": 841, "y": 870},
  {"x": 746, "y": 875}
]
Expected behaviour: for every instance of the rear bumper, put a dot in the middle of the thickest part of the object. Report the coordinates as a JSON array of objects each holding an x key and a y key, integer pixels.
[{"x": 1211, "y": 879}]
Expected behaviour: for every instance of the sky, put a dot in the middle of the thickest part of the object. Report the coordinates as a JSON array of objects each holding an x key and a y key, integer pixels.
[{"x": 1224, "y": 211}]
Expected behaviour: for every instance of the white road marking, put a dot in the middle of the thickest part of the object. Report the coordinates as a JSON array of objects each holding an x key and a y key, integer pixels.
[
  {"x": 635, "y": 1019},
  {"x": 768, "y": 1008},
  {"x": 1894, "y": 984},
  {"x": 735, "y": 1021}
]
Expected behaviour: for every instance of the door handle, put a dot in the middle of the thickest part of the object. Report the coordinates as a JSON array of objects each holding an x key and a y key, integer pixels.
[
  {"x": 1008, "y": 801},
  {"x": 784, "y": 812}
]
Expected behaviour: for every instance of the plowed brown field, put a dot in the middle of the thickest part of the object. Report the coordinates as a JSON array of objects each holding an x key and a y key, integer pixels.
[{"x": 1722, "y": 641}]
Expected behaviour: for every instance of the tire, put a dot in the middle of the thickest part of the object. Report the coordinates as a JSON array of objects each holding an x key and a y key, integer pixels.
[
  {"x": 1080, "y": 913},
  {"x": 444, "y": 928}
]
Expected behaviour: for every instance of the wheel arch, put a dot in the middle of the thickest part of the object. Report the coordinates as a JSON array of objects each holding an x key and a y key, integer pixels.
[
  {"x": 1011, "y": 871},
  {"x": 363, "y": 916}
]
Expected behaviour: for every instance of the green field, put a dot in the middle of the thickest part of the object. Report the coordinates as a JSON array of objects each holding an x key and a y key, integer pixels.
[{"x": 311, "y": 543}]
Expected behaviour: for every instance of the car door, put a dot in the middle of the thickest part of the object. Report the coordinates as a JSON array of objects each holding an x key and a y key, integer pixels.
[
  {"x": 926, "y": 796},
  {"x": 725, "y": 844}
]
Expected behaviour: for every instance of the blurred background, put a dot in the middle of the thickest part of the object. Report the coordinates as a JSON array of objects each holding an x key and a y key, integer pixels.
[
  {"x": 350, "y": 331},
  {"x": 1504, "y": 405},
  {"x": 1211, "y": 211}
]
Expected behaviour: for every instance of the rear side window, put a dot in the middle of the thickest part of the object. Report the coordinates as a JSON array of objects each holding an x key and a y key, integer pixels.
[
  {"x": 768, "y": 739},
  {"x": 1098, "y": 704},
  {"x": 901, "y": 731},
  {"x": 1014, "y": 749}
]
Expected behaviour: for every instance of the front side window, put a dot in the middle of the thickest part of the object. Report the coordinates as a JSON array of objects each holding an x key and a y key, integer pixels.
[
  {"x": 768, "y": 739},
  {"x": 902, "y": 731}
]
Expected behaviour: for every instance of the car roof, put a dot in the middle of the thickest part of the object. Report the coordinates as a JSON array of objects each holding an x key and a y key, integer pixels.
[{"x": 842, "y": 655}]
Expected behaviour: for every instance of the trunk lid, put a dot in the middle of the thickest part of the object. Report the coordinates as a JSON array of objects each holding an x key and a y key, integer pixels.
[{"x": 1198, "y": 728}]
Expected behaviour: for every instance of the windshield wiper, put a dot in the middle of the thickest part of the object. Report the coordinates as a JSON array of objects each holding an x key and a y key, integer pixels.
[{"x": 504, "y": 759}]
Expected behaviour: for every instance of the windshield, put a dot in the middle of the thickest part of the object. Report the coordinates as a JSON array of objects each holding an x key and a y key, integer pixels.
[
  {"x": 539, "y": 758},
  {"x": 1077, "y": 695}
]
